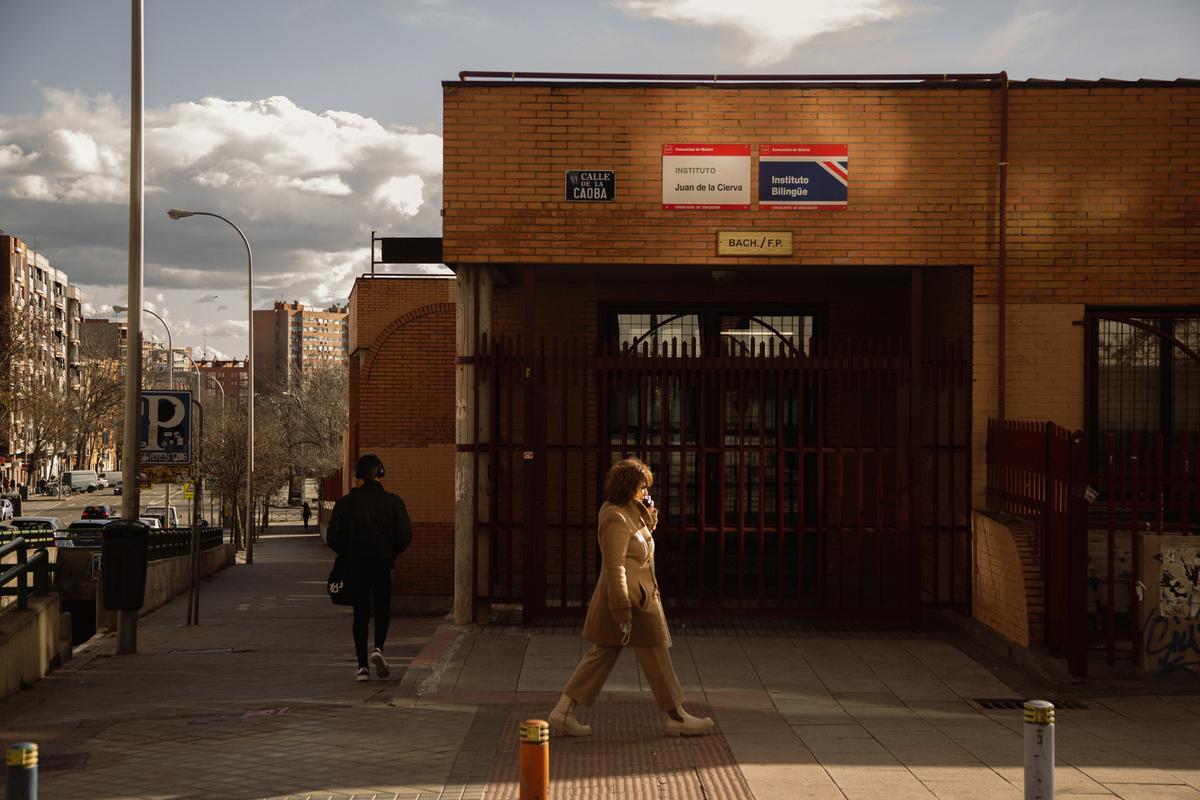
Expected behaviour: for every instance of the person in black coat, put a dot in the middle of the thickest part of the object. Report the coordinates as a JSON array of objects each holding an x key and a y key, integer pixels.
[{"x": 368, "y": 529}]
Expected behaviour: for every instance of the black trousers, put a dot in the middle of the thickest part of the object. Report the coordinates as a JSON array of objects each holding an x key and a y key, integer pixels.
[{"x": 375, "y": 597}]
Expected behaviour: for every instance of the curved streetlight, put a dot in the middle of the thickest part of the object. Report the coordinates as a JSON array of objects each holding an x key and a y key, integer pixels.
[
  {"x": 177, "y": 213},
  {"x": 170, "y": 346},
  {"x": 211, "y": 377}
]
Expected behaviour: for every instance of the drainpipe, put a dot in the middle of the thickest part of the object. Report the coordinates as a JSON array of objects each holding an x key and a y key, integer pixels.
[{"x": 1002, "y": 233}]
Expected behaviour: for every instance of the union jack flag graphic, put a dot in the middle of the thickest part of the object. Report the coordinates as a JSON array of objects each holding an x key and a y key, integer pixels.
[{"x": 812, "y": 176}]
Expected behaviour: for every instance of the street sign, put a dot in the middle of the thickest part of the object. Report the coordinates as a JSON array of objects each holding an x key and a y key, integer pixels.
[
  {"x": 188, "y": 491},
  {"x": 166, "y": 428}
]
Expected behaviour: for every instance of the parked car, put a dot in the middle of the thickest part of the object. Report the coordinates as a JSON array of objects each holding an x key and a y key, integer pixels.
[
  {"x": 33, "y": 523},
  {"x": 151, "y": 522},
  {"x": 101, "y": 481},
  {"x": 99, "y": 511},
  {"x": 115, "y": 480},
  {"x": 6, "y": 509},
  {"x": 83, "y": 533},
  {"x": 166, "y": 515}
]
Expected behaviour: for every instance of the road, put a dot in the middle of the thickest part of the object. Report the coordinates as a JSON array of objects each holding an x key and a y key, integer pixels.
[{"x": 69, "y": 509}]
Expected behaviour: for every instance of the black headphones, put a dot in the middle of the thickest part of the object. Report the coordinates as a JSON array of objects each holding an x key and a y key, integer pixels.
[{"x": 366, "y": 463}]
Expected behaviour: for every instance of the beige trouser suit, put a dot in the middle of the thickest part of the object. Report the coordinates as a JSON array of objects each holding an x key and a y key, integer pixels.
[{"x": 627, "y": 590}]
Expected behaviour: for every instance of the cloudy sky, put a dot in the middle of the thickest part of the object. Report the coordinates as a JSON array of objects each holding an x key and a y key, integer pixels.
[{"x": 313, "y": 122}]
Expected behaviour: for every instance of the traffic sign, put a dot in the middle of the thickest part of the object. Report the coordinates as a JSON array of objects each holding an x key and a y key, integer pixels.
[
  {"x": 166, "y": 428},
  {"x": 188, "y": 491}
]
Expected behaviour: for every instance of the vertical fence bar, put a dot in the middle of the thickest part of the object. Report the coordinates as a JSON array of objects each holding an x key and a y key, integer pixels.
[
  {"x": 761, "y": 405},
  {"x": 820, "y": 372},
  {"x": 1109, "y": 611},
  {"x": 1077, "y": 555},
  {"x": 723, "y": 466},
  {"x": 684, "y": 383},
  {"x": 778, "y": 373},
  {"x": 704, "y": 371},
  {"x": 743, "y": 491}
]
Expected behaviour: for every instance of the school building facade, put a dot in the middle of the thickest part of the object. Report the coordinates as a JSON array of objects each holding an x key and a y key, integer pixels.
[{"x": 801, "y": 301}]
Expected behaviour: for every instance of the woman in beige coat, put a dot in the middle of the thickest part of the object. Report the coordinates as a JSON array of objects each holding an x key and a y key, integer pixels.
[{"x": 626, "y": 609}]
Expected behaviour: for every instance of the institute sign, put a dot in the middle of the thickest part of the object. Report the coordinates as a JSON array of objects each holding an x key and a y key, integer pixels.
[{"x": 706, "y": 176}]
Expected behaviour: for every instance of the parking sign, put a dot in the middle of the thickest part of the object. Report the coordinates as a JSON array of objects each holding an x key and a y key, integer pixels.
[{"x": 166, "y": 429}]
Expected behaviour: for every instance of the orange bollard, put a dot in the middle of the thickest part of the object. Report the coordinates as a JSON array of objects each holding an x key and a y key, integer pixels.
[{"x": 535, "y": 759}]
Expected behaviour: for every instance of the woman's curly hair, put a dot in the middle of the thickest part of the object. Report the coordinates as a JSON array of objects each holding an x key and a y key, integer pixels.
[{"x": 624, "y": 478}]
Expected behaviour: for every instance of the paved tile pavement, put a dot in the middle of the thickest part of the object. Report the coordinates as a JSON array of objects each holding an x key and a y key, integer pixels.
[{"x": 257, "y": 702}]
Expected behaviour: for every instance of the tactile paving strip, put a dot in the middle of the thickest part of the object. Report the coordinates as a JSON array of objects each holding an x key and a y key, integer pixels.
[{"x": 628, "y": 755}]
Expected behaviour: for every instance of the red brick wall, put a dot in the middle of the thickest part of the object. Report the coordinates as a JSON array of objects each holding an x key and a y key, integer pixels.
[
  {"x": 1103, "y": 182},
  {"x": 1008, "y": 594},
  {"x": 402, "y": 351}
]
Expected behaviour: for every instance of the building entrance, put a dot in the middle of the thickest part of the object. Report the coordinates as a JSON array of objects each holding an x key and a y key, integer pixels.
[{"x": 781, "y": 456}]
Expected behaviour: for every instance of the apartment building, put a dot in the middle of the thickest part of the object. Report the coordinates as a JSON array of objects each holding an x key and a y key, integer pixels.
[
  {"x": 291, "y": 339},
  {"x": 224, "y": 380},
  {"x": 41, "y": 334}
]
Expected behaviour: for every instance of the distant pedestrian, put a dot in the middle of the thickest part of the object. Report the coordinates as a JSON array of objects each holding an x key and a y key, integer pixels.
[
  {"x": 626, "y": 609},
  {"x": 305, "y": 514},
  {"x": 369, "y": 528}
]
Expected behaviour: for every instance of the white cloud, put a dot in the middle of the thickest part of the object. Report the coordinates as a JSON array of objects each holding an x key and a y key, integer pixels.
[
  {"x": 772, "y": 28},
  {"x": 401, "y": 194},
  {"x": 269, "y": 150}
]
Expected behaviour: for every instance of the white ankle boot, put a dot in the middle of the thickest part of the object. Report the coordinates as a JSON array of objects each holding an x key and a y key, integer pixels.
[
  {"x": 562, "y": 719},
  {"x": 687, "y": 725}
]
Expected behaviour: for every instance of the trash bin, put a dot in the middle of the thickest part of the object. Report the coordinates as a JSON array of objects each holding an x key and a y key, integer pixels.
[
  {"x": 124, "y": 550},
  {"x": 16, "y": 501},
  {"x": 24, "y": 492}
]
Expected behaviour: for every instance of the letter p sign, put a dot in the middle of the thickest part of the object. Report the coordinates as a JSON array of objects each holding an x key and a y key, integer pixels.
[{"x": 166, "y": 428}]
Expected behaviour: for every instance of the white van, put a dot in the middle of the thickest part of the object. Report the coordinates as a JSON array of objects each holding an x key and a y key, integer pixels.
[
  {"x": 81, "y": 480},
  {"x": 166, "y": 515}
]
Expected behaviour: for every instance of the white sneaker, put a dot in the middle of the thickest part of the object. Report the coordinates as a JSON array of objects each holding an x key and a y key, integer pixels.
[
  {"x": 362, "y": 674},
  {"x": 381, "y": 664}
]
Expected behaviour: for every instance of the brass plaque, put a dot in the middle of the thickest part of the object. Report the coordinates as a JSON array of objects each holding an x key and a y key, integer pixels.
[{"x": 754, "y": 243}]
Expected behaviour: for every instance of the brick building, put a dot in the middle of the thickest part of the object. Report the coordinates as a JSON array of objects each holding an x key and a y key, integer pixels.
[
  {"x": 812, "y": 384},
  {"x": 290, "y": 339},
  {"x": 40, "y": 319}
]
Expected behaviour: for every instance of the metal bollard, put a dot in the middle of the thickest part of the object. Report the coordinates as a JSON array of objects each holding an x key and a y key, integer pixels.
[
  {"x": 21, "y": 759},
  {"x": 535, "y": 759},
  {"x": 1039, "y": 750}
]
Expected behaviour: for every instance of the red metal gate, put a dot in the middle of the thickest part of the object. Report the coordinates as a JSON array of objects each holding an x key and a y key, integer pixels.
[{"x": 783, "y": 477}]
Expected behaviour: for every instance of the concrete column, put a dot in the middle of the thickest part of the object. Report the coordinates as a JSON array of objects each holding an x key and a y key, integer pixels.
[{"x": 472, "y": 423}]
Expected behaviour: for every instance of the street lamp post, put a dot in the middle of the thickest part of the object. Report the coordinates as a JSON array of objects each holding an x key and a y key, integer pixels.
[
  {"x": 170, "y": 344},
  {"x": 170, "y": 386},
  {"x": 176, "y": 213}
]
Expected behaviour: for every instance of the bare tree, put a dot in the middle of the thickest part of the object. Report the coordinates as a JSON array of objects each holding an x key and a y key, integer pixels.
[
  {"x": 96, "y": 399},
  {"x": 36, "y": 391},
  {"x": 317, "y": 411}
]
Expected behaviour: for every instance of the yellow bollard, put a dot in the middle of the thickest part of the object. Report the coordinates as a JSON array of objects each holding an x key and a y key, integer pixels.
[
  {"x": 535, "y": 759},
  {"x": 22, "y": 762}
]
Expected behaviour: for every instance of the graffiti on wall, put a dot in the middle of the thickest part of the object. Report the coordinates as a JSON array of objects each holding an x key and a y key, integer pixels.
[{"x": 1179, "y": 588}]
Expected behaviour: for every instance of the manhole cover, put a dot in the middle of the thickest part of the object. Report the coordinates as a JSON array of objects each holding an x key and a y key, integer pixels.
[{"x": 1011, "y": 704}]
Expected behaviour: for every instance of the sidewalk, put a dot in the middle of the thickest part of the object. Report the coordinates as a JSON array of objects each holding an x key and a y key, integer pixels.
[{"x": 258, "y": 702}]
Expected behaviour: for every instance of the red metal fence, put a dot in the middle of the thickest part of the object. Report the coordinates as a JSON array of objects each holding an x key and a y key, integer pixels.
[
  {"x": 1038, "y": 471},
  {"x": 1147, "y": 483},
  {"x": 783, "y": 476}
]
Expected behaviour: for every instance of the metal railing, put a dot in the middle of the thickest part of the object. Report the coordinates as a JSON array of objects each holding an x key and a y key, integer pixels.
[
  {"x": 36, "y": 565},
  {"x": 173, "y": 542},
  {"x": 1038, "y": 471}
]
